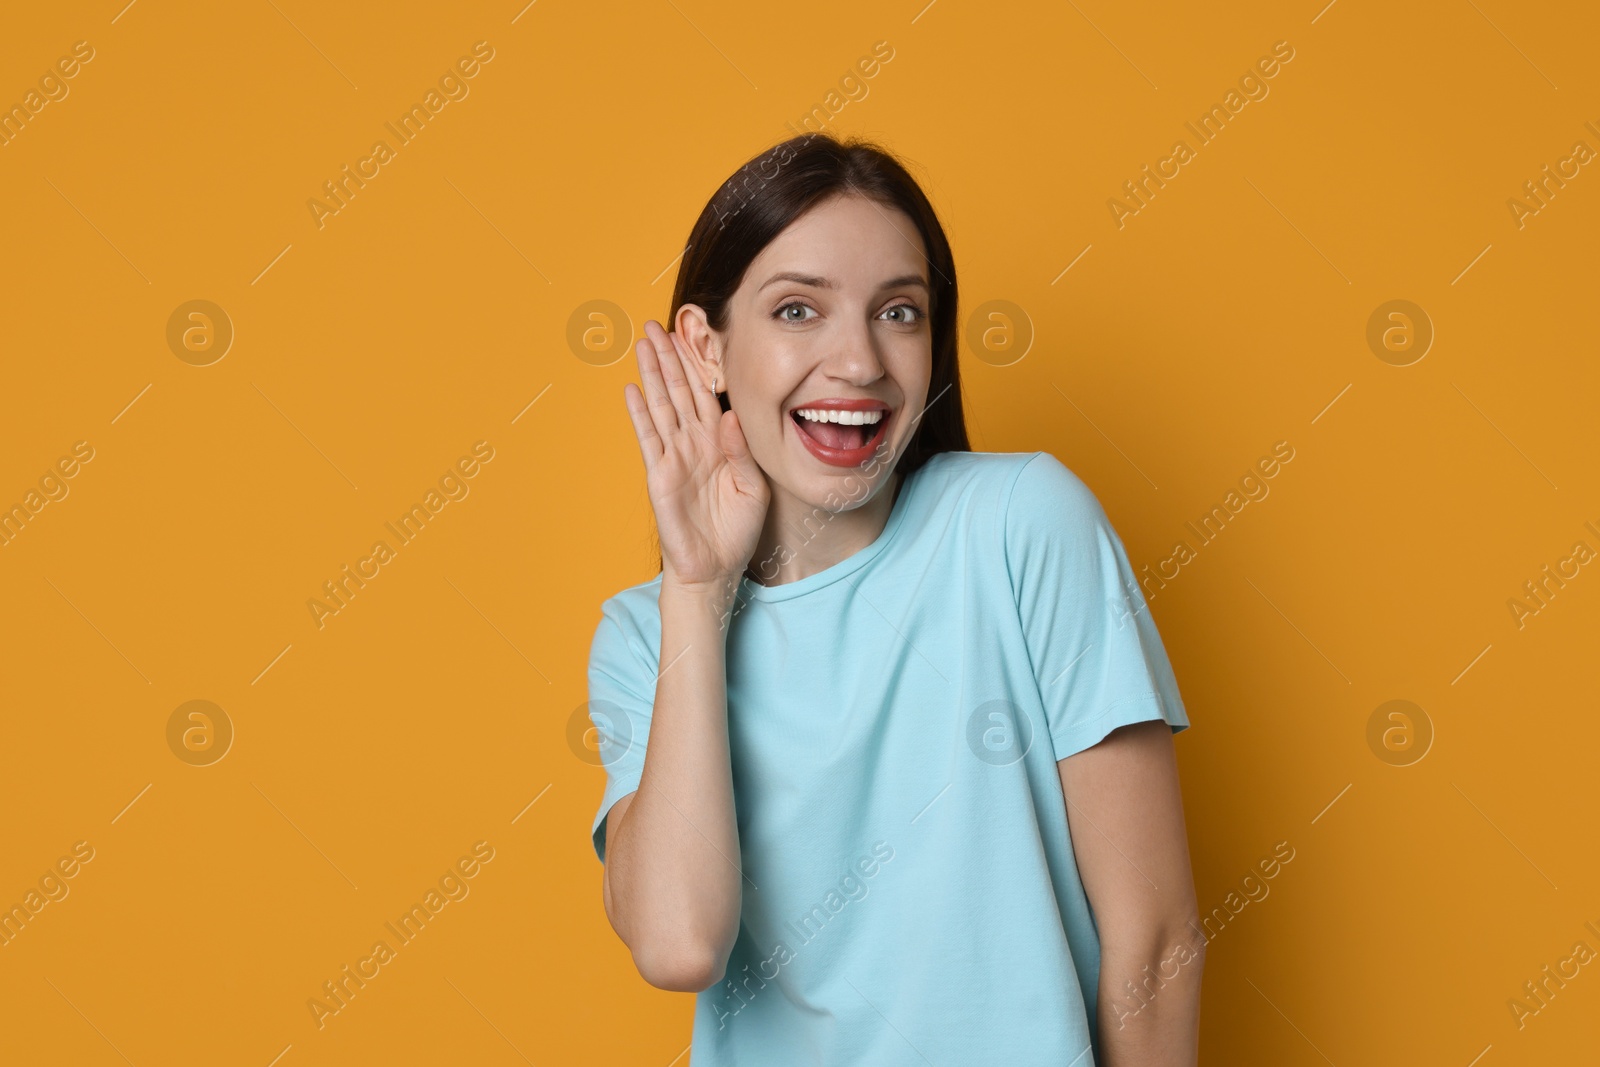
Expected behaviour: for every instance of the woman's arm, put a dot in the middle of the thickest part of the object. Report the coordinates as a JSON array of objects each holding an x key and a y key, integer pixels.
[
  {"x": 672, "y": 875},
  {"x": 1125, "y": 814}
]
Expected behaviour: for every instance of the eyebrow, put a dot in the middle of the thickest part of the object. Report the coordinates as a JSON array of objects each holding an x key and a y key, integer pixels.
[{"x": 820, "y": 282}]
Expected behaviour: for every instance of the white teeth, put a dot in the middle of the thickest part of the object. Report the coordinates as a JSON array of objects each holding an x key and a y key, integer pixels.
[{"x": 846, "y": 418}]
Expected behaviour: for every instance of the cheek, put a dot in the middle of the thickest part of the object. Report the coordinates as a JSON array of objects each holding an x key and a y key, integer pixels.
[
  {"x": 767, "y": 374},
  {"x": 912, "y": 370},
  {"x": 761, "y": 409}
]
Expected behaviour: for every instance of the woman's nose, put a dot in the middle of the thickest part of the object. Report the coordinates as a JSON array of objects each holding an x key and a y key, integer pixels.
[{"x": 853, "y": 356}]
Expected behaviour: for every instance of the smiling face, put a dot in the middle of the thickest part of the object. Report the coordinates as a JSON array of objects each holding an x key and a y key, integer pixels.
[{"x": 831, "y": 318}]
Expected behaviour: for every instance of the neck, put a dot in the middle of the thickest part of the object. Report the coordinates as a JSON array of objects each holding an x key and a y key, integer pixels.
[{"x": 801, "y": 539}]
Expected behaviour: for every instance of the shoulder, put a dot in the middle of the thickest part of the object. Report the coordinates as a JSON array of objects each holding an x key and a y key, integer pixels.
[
  {"x": 631, "y": 617},
  {"x": 1053, "y": 527},
  {"x": 1025, "y": 489},
  {"x": 1044, "y": 493},
  {"x": 636, "y": 601},
  {"x": 979, "y": 474}
]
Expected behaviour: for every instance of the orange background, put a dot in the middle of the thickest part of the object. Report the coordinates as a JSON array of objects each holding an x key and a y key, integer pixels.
[{"x": 430, "y": 312}]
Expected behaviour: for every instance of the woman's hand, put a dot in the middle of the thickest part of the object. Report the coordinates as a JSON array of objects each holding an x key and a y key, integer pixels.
[{"x": 710, "y": 497}]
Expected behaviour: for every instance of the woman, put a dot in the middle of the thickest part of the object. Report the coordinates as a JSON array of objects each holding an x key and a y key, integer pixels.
[{"x": 888, "y": 741}]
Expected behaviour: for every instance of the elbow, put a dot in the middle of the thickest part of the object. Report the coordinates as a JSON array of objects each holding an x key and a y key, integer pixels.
[
  {"x": 1182, "y": 935},
  {"x": 1168, "y": 940},
  {"x": 682, "y": 969}
]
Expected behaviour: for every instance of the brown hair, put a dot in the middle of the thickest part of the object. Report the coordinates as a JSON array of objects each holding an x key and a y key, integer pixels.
[{"x": 768, "y": 193}]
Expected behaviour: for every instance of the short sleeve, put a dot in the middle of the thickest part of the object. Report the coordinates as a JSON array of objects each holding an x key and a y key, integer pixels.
[
  {"x": 622, "y": 691},
  {"x": 1097, "y": 657}
]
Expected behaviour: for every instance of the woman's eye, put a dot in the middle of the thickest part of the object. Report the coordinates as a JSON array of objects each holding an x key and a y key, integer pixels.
[
  {"x": 783, "y": 311},
  {"x": 795, "y": 311}
]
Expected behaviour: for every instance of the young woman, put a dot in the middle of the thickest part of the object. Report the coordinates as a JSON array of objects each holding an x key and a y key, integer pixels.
[{"x": 888, "y": 741}]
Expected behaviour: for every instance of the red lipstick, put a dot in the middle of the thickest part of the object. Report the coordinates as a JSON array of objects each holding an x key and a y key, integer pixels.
[{"x": 837, "y": 456}]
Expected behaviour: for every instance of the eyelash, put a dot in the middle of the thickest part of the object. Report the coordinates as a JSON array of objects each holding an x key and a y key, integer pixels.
[{"x": 778, "y": 312}]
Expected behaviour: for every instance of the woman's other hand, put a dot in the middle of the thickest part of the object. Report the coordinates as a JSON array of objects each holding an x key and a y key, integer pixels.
[{"x": 709, "y": 496}]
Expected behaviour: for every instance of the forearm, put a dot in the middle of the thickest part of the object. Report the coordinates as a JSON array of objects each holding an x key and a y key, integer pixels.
[
  {"x": 1148, "y": 1011},
  {"x": 674, "y": 867}
]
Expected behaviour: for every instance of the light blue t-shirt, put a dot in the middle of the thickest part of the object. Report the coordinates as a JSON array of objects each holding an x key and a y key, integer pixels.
[{"x": 894, "y": 721}]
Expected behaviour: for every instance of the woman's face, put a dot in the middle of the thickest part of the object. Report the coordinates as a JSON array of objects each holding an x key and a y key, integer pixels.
[{"x": 831, "y": 318}]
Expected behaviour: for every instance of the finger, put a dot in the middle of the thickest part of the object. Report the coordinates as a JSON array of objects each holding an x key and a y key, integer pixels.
[
  {"x": 639, "y": 413},
  {"x": 701, "y": 416},
  {"x": 662, "y": 411},
  {"x": 673, "y": 373},
  {"x": 737, "y": 449},
  {"x": 705, "y": 401}
]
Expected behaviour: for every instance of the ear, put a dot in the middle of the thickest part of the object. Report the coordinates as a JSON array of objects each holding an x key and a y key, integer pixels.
[{"x": 703, "y": 345}]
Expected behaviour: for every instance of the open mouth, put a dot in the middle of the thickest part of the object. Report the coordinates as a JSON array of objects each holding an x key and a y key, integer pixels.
[
  {"x": 843, "y": 430},
  {"x": 839, "y": 432}
]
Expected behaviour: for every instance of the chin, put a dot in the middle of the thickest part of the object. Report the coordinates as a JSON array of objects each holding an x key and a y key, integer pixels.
[{"x": 844, "y": 490}]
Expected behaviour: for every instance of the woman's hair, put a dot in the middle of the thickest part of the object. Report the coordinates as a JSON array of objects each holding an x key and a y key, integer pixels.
[{"x": 764, "y": 196}]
